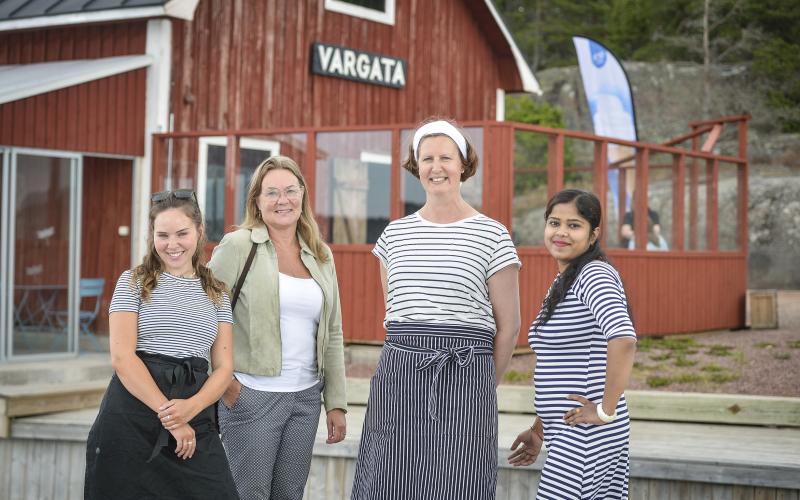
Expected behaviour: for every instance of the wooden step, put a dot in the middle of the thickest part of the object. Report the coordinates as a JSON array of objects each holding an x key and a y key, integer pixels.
[
  {"x": 654, "y": 405},
  {"x": 37, "y": 399}
]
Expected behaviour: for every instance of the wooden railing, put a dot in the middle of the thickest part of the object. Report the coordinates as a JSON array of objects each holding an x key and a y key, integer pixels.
[{"x": 693, "y": 286}]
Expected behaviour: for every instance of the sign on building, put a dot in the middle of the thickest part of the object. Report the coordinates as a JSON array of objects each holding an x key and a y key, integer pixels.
[{"x": 351, "y": 64}]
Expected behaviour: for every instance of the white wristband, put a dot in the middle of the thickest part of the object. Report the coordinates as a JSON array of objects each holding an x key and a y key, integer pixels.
[{"x": 602, "y": 415}]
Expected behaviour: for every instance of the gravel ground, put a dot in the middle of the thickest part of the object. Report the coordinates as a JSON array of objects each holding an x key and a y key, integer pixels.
[{"x": 762, "y": 362}]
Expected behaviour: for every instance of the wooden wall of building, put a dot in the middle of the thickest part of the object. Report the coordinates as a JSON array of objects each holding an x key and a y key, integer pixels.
[
  {"x": 246, "y": 64},
  {"x": 104, "y": 116}
]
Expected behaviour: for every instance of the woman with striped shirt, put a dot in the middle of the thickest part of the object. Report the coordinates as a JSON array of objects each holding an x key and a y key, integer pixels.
[
  {"x": 155, "y": 435},
  {"x": 584, "y": 343},
  {"x": 450, "y": 283}
]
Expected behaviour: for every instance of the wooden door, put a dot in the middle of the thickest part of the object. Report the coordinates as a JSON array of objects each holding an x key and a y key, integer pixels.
[{"x": 106, "y": 215}]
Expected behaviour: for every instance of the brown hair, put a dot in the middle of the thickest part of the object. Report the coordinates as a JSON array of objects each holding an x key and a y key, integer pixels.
[
  {"x": 470, "y": 163},
  {"x": 147, "y": 272},
  {"x": 306, "y": 227}
]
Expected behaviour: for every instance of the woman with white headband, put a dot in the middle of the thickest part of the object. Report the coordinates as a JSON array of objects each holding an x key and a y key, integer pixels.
[{"x": 450, "y": 282}]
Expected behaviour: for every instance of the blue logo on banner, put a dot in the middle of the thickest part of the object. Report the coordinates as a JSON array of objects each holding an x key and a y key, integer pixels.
[{"x": 599, "y": 54}]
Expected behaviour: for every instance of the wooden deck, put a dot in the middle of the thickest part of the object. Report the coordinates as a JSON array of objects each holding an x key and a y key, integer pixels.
[{"x": 44, "y": 458}]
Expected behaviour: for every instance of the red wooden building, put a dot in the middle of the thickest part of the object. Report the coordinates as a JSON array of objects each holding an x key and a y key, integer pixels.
[{"x": 103, "y": 102}]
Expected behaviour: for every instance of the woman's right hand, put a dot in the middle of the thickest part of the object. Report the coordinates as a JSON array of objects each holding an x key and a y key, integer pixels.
[
  {"x": 184, "y": 436},
  {"x": 231, "y": 394},
  {"x": 527, "y": 453}
]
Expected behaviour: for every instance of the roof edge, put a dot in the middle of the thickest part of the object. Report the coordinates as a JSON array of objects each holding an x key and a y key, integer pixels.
[
  {"x": 529, "y": 82},
  {"x": 179, "y": 9},
  {"x": 95, "y": 69}
]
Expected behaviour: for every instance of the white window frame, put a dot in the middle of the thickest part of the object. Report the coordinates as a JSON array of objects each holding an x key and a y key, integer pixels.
[
  {"x": 385, "y": 17},
  {"x": 274, "y": 147}
]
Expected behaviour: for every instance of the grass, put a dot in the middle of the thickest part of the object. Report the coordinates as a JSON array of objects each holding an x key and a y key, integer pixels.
[
  {"x": 712, "y": 368},
  {"x": 782, "y": 355},
  {"x": 661, "y": 357},
  {"x": 683, "y": 361},
  {"x": 764, "y": 345},
  {"x": 722, "y": 377},
  {"x": 658, "y": 381},
  {"x": 794, "y": 344},
  {"x": 719, "y": 350},
  {"x": 688, "y": 378}
]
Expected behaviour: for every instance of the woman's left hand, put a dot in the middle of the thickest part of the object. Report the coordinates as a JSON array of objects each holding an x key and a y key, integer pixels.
[
  {"x": 337, "y": 426},
  {"x": 176, "y": 412},
  {"x": 586, "y": 414}
]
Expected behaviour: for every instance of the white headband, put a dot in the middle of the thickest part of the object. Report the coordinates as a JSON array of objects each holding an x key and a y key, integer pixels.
[{"x": 440, "y": 127}]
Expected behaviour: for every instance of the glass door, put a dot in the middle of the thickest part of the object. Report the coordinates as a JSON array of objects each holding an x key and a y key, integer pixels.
[{"x": 41, "y": 229}]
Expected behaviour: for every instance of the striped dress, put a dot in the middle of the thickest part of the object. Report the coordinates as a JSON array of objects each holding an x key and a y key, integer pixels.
[
  {"x": 430, "y": 429},
  {"x": 585, "y": 461}
]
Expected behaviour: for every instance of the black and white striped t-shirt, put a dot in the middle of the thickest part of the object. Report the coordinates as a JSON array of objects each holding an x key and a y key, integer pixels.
[
  {"x": 438, "y": 273},
  {"x": 179, "y": 320}
]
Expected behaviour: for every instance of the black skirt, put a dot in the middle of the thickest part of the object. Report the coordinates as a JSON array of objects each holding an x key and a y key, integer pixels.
[{"x": 130, "y": 455}]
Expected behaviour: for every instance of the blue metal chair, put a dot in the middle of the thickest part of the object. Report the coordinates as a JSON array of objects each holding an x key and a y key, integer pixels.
[{"x": 89, "y": 288}]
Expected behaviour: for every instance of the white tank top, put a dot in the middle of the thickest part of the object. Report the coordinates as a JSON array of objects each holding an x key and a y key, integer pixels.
[{"x": 300, "y": 306}]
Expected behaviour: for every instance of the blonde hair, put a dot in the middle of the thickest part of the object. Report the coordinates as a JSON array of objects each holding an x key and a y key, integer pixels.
[
  {"x": 146, "y": 274},
  {"x": 307, "y": 226}
]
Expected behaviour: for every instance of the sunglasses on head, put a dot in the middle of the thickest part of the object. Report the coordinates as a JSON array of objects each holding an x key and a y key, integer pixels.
[{"x": 181, "y": 194}]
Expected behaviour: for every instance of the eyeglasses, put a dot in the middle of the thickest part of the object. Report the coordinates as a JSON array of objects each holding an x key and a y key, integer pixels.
[
  {"x": 292, "y": 193},
  {"x": 181, "y": 194}
]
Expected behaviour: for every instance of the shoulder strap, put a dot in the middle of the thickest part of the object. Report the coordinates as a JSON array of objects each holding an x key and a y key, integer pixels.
[{"x": 243, "y": 275}]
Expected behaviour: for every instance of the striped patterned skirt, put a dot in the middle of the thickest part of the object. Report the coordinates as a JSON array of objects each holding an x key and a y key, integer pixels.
[{"x": 430, "y": 429}]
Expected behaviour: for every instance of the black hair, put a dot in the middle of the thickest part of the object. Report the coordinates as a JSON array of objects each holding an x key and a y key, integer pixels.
[{"x": 588, "y": 206}]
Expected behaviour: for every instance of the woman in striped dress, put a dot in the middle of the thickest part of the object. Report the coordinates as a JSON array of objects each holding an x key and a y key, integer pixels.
[
  {"x": 584, "y": 343},
  {"x": 450, "y": 282}
]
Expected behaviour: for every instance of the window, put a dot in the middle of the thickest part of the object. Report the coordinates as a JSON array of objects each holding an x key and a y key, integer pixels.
[
  {"x": 353, "y": 185},
  {"x": 211, "y": 178},
  {"x": 381, "y": 11}
]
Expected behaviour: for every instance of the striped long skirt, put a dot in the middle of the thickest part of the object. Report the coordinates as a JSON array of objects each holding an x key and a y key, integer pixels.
[{"x": 430, "y": 429}]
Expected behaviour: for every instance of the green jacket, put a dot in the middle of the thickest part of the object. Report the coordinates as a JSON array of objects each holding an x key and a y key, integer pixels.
[{"x": 256, "y": 330}]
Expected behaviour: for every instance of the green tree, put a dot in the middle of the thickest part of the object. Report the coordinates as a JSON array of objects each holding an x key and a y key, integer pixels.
[
  {"x": 763, "y": 34},
  {"x": 530, "y": 149}
]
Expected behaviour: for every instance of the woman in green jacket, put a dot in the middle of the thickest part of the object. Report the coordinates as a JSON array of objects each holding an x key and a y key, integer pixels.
[{"x": 287, "y": 337}]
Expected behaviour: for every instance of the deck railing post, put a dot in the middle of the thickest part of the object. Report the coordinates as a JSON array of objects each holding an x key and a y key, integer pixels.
[
  {"x": 310, "y": 169},
  {"x": 678, "y": 201},
  {"x": 742, "y": 173},
  {"x": 157, "y": 164},
  {"x": 640, "y": 205},
  {"x": 600, "y": 184},
  {"x": 498, "y": 184},
  {"x": 555, "y": 164},
  {"x": 231, "y": 174},
  {"x": 712, "y": 219},
  {"x": 396, "y": 176},
  {"x": 693, "y": 197}
]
